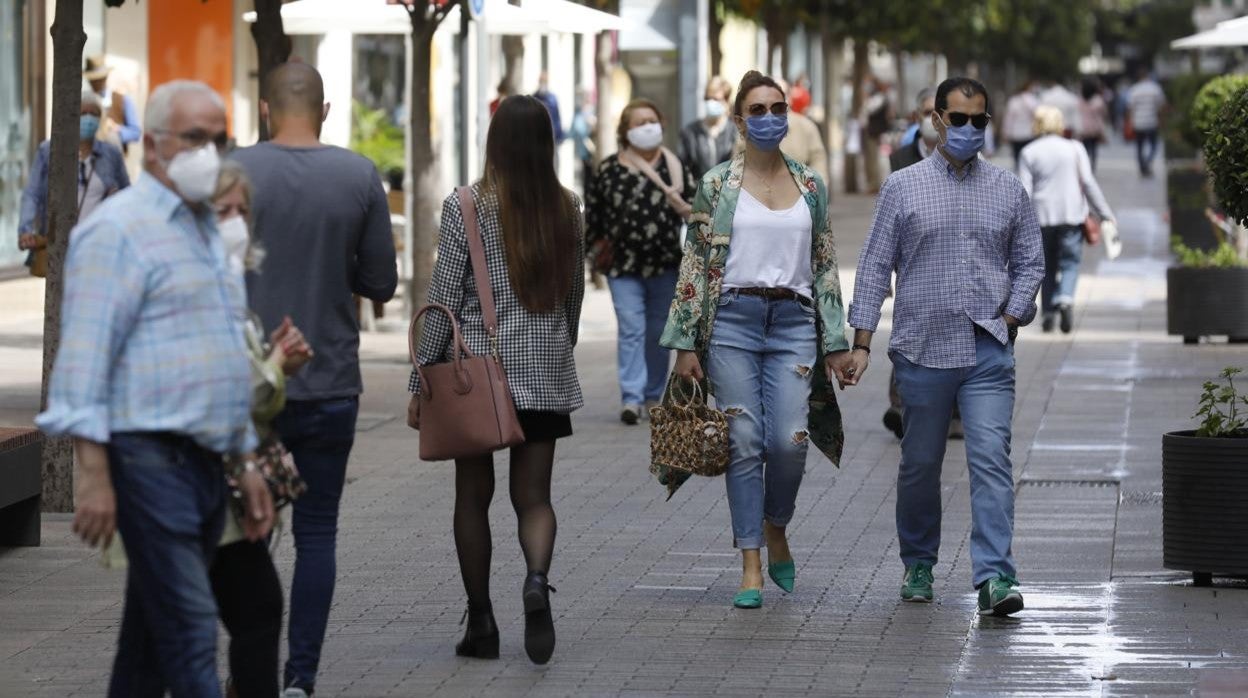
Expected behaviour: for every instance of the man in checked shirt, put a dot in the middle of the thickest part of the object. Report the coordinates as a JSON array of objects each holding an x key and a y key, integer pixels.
[
  {"x": 152, "y": 382},
  {"x": 965, "y": 243}
]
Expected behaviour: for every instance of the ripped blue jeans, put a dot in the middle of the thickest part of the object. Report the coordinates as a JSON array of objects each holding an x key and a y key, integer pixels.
[{"x": 760, "y": 361}]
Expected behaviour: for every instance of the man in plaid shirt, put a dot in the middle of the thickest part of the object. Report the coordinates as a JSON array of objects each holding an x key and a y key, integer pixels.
[
  {"x": 965, "y": 243},
  {"x": 152, "y": 381}
]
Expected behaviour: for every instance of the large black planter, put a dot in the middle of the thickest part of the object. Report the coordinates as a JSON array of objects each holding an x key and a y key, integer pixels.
[
  {"x": 1204, "y": 483},
  {"x": 1187, "y": 196},
  {"x": 1203, "y": 302}
]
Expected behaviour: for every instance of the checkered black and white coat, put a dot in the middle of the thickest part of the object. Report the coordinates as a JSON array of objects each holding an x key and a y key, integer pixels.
[{"x": 536, "y": 348}]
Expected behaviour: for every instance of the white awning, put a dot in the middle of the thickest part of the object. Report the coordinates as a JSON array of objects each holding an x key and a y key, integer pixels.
[
  {"x": 1232, "y": 32},
  {"x": 499, "y": 17},
  {"x": 377, "y": 17}
]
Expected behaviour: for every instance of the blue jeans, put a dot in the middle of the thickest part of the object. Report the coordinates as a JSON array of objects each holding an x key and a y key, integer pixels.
[
  {"x": 985, "y": 394},
  {"x": 641, "y": 306},
  {"x": 1063, "y": 251},
  {"x": 1146, "y": 148},
  {"x": 760, "y": 361},
  {"x": 170, "y": 513},
  {"x": 319, "y": 434}
]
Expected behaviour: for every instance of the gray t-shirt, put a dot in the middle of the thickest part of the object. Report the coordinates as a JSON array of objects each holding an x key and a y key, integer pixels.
[{"x": 321, "y": 216}]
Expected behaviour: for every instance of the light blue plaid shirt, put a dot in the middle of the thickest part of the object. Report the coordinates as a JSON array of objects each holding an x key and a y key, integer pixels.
[
  {"x": 965, "y": 252},
  {"x": 151, "y": 331}
]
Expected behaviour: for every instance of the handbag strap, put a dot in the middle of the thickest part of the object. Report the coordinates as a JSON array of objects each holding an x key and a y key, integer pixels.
[{"x": 480, "y": 272}]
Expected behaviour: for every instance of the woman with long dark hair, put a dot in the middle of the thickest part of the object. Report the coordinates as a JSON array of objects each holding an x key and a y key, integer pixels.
[{"x": 532, "y": 232}]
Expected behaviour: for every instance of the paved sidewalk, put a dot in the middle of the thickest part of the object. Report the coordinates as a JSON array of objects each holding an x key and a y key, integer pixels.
[{"x": 645, "y": 585}]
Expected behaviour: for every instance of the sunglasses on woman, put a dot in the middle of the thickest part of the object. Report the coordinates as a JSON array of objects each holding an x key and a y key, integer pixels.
[
  {"x": 759, "y": 109},
  {"x": 979, "y": 121}
]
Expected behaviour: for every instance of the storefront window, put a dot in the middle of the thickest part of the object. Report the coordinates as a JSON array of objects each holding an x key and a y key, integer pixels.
[{"x": 14, "y": 128}]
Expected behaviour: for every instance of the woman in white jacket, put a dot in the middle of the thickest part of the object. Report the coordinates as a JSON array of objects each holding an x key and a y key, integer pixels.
[{"x": 1058, "y": 176}]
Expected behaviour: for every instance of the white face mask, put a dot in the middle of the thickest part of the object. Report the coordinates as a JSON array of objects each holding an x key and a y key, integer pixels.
[
  {"x": 928, "y": 130},
  {"x": 646, "y": 136},
  {"x": 235, "y": 238},
  {"x": 194, "y": 173},
  {"x": 715, "y": 108}
]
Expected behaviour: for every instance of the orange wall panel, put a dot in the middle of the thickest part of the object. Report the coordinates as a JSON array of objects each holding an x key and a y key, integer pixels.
[{"x": 192, "y": 40}]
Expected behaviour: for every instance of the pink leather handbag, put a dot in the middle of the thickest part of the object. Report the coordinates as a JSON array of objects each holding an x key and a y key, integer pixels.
[{"x": 464, "y": 407}]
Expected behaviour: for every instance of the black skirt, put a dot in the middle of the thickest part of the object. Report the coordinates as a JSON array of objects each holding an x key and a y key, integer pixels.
[{"x": 541, "y": 426}]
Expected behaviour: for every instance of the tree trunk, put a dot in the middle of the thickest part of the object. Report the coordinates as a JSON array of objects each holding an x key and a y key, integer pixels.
[
  {"x": 272, "y": 48},
  {"x": 513, "y": 59},
  {"x": 604, "y": 134},
  {"x": 904, "y": 98},
  {"x": 715, "y": 30},
  {"x": 67, "y": 42},
  {"x": 862, "y": 59},
  {"x": 421, "y": 218}
]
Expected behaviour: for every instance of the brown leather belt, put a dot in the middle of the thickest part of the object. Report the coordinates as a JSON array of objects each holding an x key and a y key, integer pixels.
[
  {"x": 775, "y": 294},
  {"x": 784, "y": 293}
]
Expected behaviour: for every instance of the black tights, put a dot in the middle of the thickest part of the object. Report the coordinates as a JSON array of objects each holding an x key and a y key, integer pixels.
[
  {"x": 530, "y": 496},
  {"x": 249, "y": 600}
]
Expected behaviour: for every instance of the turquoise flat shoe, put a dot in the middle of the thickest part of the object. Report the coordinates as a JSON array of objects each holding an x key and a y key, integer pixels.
[
  {"x": 783, "y": 574},
  {"x": 748, "y": 598}
]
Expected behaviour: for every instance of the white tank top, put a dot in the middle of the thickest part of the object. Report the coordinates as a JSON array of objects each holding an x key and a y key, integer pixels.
[{"x": 770, "y": 249}]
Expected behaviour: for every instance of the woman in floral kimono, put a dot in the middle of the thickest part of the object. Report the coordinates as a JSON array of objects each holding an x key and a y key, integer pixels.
[{"x": 758, "y": 304}]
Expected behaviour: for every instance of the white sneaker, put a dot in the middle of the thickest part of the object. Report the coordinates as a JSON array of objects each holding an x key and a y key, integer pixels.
[{"x": 294, "y": 692}]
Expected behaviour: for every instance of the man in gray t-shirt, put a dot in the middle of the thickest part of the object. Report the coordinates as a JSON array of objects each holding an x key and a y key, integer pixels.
[{"x": 321, "y": 216}]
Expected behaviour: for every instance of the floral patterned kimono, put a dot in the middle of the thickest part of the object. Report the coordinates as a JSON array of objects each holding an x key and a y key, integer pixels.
[{"x": 692, "y": 317}]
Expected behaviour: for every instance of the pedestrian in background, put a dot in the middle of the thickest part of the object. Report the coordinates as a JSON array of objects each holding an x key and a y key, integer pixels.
[
  {"x": 1146, "y": 104},
  {"x": 877, "y": 115},
  {"x": 1057, "y": 175},
  {"x": 709, "y": 141},
  {"x": 1093, "y": 113},
  {"x": 804, "y": 142},
  {"x": 1019, "y": 110},
  {"x": 532, "y": 233},
  {"x": 1055, "y": 94},
  {"x": 634, "y": 216},
  {"x": 548, "y": 98},
  {"x": 119, "y": 123},
  {"x": 960, "y": 298},
  {"x": 320, "y": 212},
  {"x": 759, "y": 305},
  {"x": 101, "y": 173},
  {"x": 152, "y": 381}
]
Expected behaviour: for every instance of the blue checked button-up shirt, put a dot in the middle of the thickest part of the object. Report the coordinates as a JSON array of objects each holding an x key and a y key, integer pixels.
[
  {"x": 966, "y": 251},
  {"x": 151, "y": 331}
]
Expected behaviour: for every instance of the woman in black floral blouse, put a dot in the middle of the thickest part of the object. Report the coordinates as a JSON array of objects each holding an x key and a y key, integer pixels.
[{"x": 634, "y": 230}]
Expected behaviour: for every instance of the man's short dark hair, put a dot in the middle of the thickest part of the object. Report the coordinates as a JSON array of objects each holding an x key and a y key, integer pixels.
[{"x": 967, "y": 86}]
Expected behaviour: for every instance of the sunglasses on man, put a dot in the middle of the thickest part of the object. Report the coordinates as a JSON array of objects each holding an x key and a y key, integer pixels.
[{"x": 979, "y": 121}]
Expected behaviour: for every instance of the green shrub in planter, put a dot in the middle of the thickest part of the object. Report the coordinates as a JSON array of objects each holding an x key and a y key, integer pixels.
[
  {"x": 1224, "y": 256},
  {"x": 1226, "y": 156},
  {"x": 1209, "y": 102}
]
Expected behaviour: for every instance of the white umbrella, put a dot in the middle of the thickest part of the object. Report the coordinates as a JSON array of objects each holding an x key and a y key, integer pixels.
[{"x": 1232, "y": 32}]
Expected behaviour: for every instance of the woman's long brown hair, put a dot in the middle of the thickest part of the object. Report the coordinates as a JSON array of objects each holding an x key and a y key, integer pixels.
[{"x": 537, "y": 213}]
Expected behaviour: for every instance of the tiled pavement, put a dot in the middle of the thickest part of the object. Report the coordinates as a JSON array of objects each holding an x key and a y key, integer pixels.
[{"x": 645, "y": 584}]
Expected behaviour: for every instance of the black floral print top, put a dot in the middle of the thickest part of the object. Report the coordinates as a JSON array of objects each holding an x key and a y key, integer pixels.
[{"x": 629, "y": 211}]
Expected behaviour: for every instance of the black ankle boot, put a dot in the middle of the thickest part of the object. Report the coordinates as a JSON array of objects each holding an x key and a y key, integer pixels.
[
  {"x": 539, "y": 627},
  {"x": 481, "y": 634}
]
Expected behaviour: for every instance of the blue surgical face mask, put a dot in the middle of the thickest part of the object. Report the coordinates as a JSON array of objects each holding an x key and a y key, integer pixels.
[
  {"x": 963, "y": 142},
  {"x": 88, "y": 125},
  {"x": 766, "y": 131}
]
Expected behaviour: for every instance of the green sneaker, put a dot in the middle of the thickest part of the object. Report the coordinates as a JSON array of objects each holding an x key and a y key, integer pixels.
[
  {"x": 916, "y": 586},
  {"x": 998, "y": 597}
]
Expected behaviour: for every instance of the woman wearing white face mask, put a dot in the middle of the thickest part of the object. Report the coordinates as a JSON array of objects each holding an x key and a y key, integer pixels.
[
  {"x": 634, "y": 213},
  {"x": 709, "y": 141},
  {"x": 244, "y": 580}
]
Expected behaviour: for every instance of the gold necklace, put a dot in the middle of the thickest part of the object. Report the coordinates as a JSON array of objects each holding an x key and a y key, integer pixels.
[{"x": 768, "y": 183}]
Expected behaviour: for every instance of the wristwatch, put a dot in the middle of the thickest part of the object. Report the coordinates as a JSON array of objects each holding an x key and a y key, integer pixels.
[{"x": 1012, "y": 330}]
